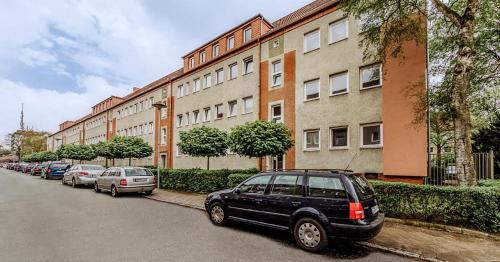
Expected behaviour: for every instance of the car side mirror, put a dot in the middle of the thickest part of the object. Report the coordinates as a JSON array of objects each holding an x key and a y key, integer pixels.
[{"x": 237, "y": 190}]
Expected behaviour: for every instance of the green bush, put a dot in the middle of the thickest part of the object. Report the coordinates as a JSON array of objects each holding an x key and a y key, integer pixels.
[
  {"x": 473, "y": 207},
  {"x": 198, "y": 180},
  {"x": 489, "y": 183},
  {"x": 236, "y": 179}
]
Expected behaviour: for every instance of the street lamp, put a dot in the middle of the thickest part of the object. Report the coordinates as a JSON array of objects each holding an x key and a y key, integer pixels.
[{"x": 159, "y": 106}]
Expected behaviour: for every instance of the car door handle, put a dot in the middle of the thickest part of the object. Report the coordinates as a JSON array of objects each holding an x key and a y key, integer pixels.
[{"x": 296, "y": 203}]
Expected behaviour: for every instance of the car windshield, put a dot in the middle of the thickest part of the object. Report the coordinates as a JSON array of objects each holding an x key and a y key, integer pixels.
[
  {"x": 92, "y": 168},
  {"x": 362, "y": 186},
  {"x": 137, "y": 172},
  {"x": 60, "y": 165}
]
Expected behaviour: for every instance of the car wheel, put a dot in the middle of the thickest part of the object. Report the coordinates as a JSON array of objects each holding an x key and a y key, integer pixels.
[
  {"x": 114, "y": 192},
  {"x": 73, "y": 183},
  {"x": 217, "y": 214},
  {"x": 62, "y": 181},
  {"x": 147, "y": 193},
  {"x": 310, "y": 235},
  {"x": 96, "y": 188}
]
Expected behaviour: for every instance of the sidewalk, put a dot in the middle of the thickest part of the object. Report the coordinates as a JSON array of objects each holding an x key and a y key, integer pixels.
[{"x": 398, "y": 238}]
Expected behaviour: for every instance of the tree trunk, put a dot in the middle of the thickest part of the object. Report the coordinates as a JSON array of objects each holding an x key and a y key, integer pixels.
[
  {"x": 106, "y": 163},
  {"x": 208, "y": 163},
  {"x": 129, "y": 161},
  {"x": 460, "y": 88}
]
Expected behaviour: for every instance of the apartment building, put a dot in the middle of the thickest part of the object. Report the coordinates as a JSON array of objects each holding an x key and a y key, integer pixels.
[{"x": 305, "y": 70}]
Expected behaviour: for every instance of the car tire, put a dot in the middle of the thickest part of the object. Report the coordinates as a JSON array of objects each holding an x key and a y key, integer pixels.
[
  {"x": 62, "y": 181},
  {"x": 147, "y": 193},
  {"x": 217, "y": 214},
  {"x": 96, "y": 188},
  {"x": 114, "y": 192},
  {"x": 310, "y": 235},
  {"x": 73, "y": 183}
]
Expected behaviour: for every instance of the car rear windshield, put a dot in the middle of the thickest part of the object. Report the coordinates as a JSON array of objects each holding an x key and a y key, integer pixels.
[
  {"x": 92, "y": 168},
  {"x": 59, "y": 165},
  {"x": 362, "y": 186},
  {"x": 137, "y": 172}
]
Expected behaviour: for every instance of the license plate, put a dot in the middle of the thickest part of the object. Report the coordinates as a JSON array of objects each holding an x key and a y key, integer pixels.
[
  {"x": 140, "y": 179},
  {"x": 375, "y": 209}
]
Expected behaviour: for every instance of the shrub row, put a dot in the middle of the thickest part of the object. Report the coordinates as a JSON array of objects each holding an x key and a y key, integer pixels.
[
  {"x": 198, "y": 180},
  {"x": 473, "y": 207},
  {"x": 236, "y": 179}
]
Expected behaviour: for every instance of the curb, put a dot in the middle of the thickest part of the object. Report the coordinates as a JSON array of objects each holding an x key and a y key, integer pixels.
[
  {"x": 441, "y": 227},
  {"x": 363, "y": 243}
]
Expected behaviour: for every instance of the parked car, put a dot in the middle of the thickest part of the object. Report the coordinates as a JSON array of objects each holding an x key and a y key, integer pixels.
[
  {"x": 125, "y": 180},
  {"x": 28, "y": 167},
  {"x": 313, "y": 205},
  {"x": 37, "y": 169},
  {"x": 19, "y": 166},
  {"x": 82, "y": 175},
  {"x": 55, "y": 170}
]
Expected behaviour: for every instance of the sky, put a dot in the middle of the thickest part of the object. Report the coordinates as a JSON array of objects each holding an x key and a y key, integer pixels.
[{"x": 61, "y": 57}]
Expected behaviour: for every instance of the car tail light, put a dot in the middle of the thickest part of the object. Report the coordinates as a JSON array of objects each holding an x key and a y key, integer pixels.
[
  {"x": 356, "y": 211},
  {"x": 83, "y": 174},
  {"x": 123, "y": 182}
]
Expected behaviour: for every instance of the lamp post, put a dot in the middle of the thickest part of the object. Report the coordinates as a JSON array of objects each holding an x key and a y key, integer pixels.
[{"x": 159, "y": 106}]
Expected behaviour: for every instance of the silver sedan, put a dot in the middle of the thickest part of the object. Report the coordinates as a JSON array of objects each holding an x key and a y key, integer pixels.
[
  {"x": 82, "y": 174},
  {"x": 125, "y": 180}
]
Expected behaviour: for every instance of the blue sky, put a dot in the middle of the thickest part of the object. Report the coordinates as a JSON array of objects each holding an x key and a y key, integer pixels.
[{"x": 60, "y": 57}]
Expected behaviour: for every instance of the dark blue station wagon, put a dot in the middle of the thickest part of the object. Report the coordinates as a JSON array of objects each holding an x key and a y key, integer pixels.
[{"x": 314, "y": 205}]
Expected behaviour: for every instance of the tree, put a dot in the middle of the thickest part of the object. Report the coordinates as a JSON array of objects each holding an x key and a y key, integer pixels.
[
  {"x": 76, "y": 152},
  {"x": 62, "y": 152},
  {"x": 102, "y": 149},
  {"x": 203, "y": 142},
  {"x": 441, "y": 134},
  {"x": 487, "y": 139},
  {"x": 40, "y": 157},
  {"x": 460, "y": 32},
  {"x": 129, "y": 147},
  {"x": 260, "y": 138}
]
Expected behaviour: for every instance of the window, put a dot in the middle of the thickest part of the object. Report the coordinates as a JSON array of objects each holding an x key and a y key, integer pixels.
[
  {"x": 178, "y": 151},
  {"x": 276, "y": 113},
  {"x": 276, "y": 73},
  {"x": 186, "y": 89},
  {"x": 371, "y": 135},
  {"x": 339, "y": 138},
  {"x": 311, "y": 41},
  {"x": 219, "y": 76},
  {"x": 135, "y": 111},
  {"x": 215, "y": 50},
  {"x": 163, "y": 136},
  {"x": 206, "y": 114},
  {"x": 339, "y": 83},
  {"x": 208, "y": 80},
  {"x": 219, "y": 111},
  {"x": 150, "y": 102},
  {"x": 256, "y": 185},
  {"x": 233, "y": 71},
  {"x": 202, "y": 57},
  {"x": 196, "y": 85},
  {"x": 180, "y": 91},
  {"x": 371, "y": 76},
  {"x": 326, "y": 186},
  {"x": 230, "y": 42},
  {"x": 134, "y": 133},
  {"x": 232, "y": 107},
  {"x": 141, "y": 107},
  {"x": 196, "y": 116},
  {"x": 311, "y": 139},
  {"x": 247, "y": 105},
  {"x": 289, "y": 185},
  {"x": 248, "y": 65},
  {"x": 311, "y": 90},
  {"x": 339, "y": 30},
  {"x": 188, "y": 120},
  {"x": 247, "y": 34},
  {"x": 179, "y": 120},
  {"x": 191, "y": 62},
  {"x": 150, "y": 127}
]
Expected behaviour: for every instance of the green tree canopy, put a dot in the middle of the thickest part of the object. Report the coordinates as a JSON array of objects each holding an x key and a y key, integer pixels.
[
  {"x": 260, "y": 138},
  {"x": 203, "y": 142},
  {"x": 129, "y": 147},
  {"x": 76, "y": 152}
]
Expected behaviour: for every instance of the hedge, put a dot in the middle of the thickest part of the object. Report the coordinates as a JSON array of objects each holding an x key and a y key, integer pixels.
[
  {"x": 198, "y": 180},
  {"x": 489, "y": 183},
  {"x": 236, "y": 179},
  {"x": 472, "y": 207}
]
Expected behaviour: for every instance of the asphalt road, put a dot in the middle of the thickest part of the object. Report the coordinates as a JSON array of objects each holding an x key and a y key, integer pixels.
[{"x": 43, "y": 220}]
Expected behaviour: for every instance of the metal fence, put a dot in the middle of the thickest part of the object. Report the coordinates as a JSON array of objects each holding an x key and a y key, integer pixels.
[{"x": 443, "y": 170}]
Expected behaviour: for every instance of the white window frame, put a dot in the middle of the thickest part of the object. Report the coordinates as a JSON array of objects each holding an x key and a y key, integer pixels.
[
  {"x": 216, "y": 111},
  {"x": 191, "y": 62},
  {"x": 330, "y": 27},
  {"x": 215, "y": 47},
  {"x": 188, "y": 119},
  {"x": 217, "y": 80},
  {"x": 361, "y": 76},
  {"x": 196, "y": 85},
  {"x": 273, "y": 73},
  {"x": 179, "y": 121},
  {"x": 381, "y": 135},
  {"x": 196, "y": 117},
  {"x": 319, "y": 89},
  {"x": 234, "y": 104},
  {"x": 208, "y": 80},
  {"x": 180, "y": 91},
  {"x": 331, "y": 83},
  {"x": 233, "y": 75},
  {"x": 245, "y": 99},
  {"x": 228, "y": 42},
  {"x": 245, "y": 39},
  {"x": 306, "y": 50},
  {"x": 207, "y": 114},
  {"x": 270, "y": 106},
  {"x": 305, "y": 139},
  {"x": 246, "y": 62},
  {"x": 330, "y": 144},
  {"x": 203, "y": 57}
]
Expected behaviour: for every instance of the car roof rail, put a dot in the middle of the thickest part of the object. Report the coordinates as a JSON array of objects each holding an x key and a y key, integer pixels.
[{"x": 335, "y": 171}]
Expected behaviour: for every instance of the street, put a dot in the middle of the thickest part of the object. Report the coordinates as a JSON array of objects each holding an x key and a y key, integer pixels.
[{"x": 43, "y": 220}]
